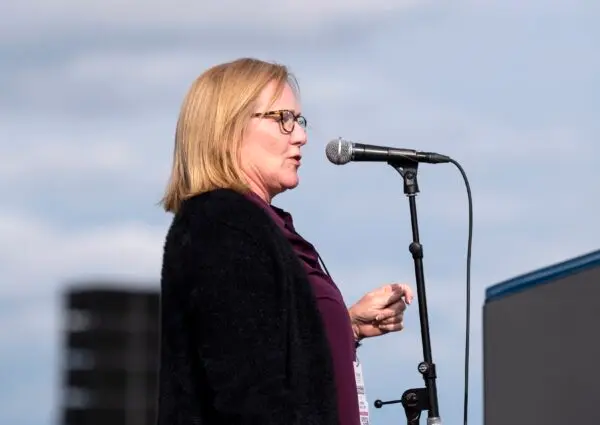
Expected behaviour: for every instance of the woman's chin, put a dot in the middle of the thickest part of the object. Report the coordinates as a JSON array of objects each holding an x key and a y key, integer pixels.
[{"x": 291, "y": 181}]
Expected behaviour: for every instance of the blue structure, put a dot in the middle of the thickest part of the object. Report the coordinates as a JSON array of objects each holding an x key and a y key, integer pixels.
[
  {"x": 541, "y": 346},
  {"x": 542, "y": 276}
]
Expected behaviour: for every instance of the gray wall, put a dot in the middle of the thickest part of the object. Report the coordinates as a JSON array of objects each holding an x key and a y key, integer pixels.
[{"x": 542, "y": 354}]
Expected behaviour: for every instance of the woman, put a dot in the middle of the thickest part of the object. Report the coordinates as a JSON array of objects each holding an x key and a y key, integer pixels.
[{"x": 254, "y": 331}]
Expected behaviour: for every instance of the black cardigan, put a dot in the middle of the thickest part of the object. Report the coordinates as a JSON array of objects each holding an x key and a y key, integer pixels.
[{"x": 242, "y": 341}]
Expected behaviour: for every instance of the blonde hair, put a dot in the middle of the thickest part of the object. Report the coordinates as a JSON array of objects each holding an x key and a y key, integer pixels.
[{"x": 215, "y": 112}]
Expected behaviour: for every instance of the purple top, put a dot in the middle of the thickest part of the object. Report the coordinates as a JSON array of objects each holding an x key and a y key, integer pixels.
[{"x": 333, "y": 311}]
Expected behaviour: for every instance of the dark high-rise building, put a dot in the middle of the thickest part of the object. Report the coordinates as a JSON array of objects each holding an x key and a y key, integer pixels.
[
  {"x": 111, "y": 347},
  {"x": 541, "y": 349}
]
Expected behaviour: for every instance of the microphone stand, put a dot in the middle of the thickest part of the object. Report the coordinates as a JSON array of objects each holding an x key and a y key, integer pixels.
[{"x": 417, "y": 400}]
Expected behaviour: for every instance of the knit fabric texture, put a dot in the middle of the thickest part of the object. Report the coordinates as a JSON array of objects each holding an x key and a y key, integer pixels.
[{"x": 242, "y": 340}]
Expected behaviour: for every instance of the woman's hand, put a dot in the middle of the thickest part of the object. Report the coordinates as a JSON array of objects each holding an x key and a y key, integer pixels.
[{"x": 380, "y": 311}]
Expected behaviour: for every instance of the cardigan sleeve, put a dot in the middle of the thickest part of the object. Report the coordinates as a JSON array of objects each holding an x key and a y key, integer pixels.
[{"x": 238, "y": 313}]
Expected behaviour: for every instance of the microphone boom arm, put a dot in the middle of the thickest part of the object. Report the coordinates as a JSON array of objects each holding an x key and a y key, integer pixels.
[{"x": 417, "y": 400}]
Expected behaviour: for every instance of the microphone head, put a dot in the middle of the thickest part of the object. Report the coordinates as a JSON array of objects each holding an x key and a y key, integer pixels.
[{"x": 339, "y": 151}]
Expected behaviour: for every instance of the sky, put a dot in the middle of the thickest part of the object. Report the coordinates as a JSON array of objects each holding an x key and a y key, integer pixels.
[{"x": 89, "y": 97}]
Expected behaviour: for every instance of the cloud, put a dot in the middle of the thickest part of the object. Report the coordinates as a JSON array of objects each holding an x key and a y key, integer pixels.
[
  {"x": 542, "y": 8},
  {"x": 227, "y": 11},
  {"x": 134, "y": 15},
  {"x": 40, "y": 257},
  {"x": 27, "y": 378},
  {"x": 63, "y": 158}
]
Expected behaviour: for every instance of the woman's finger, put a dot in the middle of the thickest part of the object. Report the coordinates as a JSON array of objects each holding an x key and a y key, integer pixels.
[
  {"x": 394, "y": 309},
  {"x": 393, "y": 327},
  {"x": 391, "y": 320}
]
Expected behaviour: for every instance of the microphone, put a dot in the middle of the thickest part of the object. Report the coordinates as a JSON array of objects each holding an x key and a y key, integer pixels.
[{"x": 340, "y": 151}]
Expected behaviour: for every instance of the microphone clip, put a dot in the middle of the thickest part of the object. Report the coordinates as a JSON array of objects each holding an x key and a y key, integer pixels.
[{"x": 408, "y": 170}]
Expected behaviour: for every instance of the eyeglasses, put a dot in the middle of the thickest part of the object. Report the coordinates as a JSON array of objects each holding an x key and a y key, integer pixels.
[{"x": 286, "y": 118}]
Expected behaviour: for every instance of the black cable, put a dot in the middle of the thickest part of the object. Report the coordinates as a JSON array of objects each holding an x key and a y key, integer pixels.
[{"x": 468, "y": 295}]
